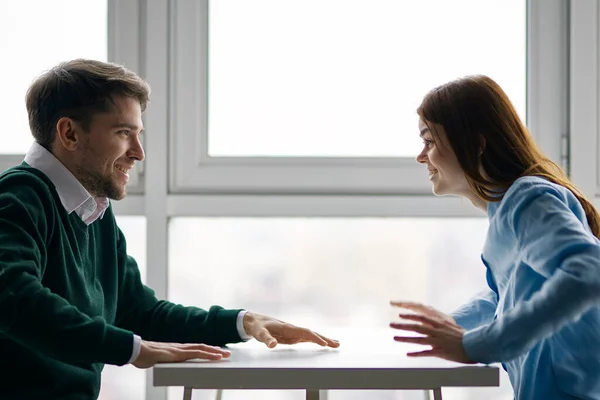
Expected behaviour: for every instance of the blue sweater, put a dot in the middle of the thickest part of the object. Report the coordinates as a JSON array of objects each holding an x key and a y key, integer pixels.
[{"x": 540, "y": 317}]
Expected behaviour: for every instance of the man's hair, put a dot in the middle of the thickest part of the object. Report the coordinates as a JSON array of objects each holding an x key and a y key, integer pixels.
[{"x": 79, "y": 89}]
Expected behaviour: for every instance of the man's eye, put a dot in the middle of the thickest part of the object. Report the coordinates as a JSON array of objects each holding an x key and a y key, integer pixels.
[{"x": 124, "y": 132}]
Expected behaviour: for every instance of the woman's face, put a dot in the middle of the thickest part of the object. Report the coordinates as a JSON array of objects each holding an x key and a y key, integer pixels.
[{"x": 445, "y": 173}]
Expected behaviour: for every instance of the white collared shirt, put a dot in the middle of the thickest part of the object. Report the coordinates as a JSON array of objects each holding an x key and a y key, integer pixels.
[{"x": 73, "y": 196}]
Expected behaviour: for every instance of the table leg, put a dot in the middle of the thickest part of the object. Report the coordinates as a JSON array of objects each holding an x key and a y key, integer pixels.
[
  {"x": 187, "y": 393},
  {"x": 312, "y": 394},
  {"x": 437, "y": 394}
]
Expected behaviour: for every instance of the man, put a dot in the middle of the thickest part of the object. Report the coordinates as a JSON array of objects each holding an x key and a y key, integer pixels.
[{"x": 71, "y": 299}]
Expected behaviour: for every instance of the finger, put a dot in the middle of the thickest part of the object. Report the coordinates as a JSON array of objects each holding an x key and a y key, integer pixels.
[
  {"x": 179, "y": 355},
  {"x": 203, "y": 347},
  {"x": 406, "y": 304},
  {"x": 330, "y": 342},
  {"x": 418, "y": 328},
  {"x": 214, "y": 349},
  {"x": 425, "y": 340},
  {"x": 423, "y": 353},
  {"x": 424, "y": 319},
  {"x": 413, "y": 306},
  {"x": 309, "y": 336},
  {"x": 265, "y": 337}
]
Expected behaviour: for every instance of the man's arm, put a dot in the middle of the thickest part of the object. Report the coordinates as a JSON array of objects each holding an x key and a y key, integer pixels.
[{"x": 141, "y": 312}]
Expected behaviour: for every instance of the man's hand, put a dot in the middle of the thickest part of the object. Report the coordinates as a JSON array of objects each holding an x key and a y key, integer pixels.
[
  {"x": 439, "y": 330},
  {"x": 272, "y": 331},
  {"x": 158, "y": 352}
]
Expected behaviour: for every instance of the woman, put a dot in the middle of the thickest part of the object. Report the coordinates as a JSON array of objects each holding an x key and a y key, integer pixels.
[{"x": 540, "y": 316}]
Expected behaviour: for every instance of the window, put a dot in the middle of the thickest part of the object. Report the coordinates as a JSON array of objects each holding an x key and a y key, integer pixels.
[
  {"x": 343, "y": 78},
  {"x": 35, "y": 35},
  {"x": 325, "y": 272},
  {"x": 128, "y": 382},
  {"x": 320, "y": 96}
]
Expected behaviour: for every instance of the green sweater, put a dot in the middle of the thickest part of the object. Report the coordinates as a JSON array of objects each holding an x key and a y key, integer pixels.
[{"x": 71, "y": 298}]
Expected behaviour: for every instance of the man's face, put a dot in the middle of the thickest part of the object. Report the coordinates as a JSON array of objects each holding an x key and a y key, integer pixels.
[{"x": 110, "y": 148}]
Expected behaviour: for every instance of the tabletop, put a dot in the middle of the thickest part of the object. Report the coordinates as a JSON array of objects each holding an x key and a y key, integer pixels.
[{"x": 365, "y": 360}]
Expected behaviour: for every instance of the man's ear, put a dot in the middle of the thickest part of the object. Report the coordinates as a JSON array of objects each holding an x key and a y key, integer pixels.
[{"x": 68, "y": 133}]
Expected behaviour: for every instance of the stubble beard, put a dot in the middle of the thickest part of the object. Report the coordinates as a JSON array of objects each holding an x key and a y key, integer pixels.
[{"x": 99, "y": 185}]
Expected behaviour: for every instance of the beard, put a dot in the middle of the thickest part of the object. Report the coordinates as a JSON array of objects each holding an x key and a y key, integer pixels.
[
  {"x": 97, "y": 184},
  {"x": 92, "y": 178}
]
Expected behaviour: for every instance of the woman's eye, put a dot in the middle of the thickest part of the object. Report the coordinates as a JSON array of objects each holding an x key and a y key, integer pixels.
[{"x": 428, "y": 142}]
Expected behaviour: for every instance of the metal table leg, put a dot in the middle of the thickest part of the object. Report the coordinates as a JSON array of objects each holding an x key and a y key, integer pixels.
[
  {"x": 312, "y": 394},
  {"x": 437, "y": 394},
  {"x": 187, "y": 393}
]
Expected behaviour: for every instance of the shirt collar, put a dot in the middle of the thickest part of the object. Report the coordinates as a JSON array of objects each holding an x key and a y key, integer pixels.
[{"x": 72, "y": 194}]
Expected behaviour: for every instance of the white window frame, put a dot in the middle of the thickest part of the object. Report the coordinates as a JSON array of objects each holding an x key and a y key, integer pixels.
[
  {"x": 585, "y": 97},
  {"x": 126, "y": 37},
  {"x": 192, "y": 171}
]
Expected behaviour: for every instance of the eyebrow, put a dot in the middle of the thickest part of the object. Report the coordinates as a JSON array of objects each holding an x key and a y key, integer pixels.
[
  {"x": 424, "y": 131},
  {"x": 128, "y": 126}
]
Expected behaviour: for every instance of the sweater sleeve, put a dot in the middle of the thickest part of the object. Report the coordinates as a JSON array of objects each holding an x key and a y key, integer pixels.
[
  {"x": 478, "y": 311},
  {"x": 556, "y": 244},
  {"x": 140, "y": 311},
  {"x": 30, "y": 313}
]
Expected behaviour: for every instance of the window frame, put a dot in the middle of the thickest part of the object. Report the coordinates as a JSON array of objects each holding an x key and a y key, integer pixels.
[
  {"x": 126, "y": 38},
  {"x": 584, "y": 127},
  {"x": 192, "y": 171}
]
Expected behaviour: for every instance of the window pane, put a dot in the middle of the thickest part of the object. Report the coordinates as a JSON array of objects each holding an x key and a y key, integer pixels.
[
  {"x": 327, "y": 272},
  {"x": 345, "y": 77},
  {"x": 36, "y": 35},
  {"x": 128, "y": 382}
]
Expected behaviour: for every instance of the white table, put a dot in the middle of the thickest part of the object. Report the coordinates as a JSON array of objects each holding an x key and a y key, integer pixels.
[{"x": 365, "y": 360}]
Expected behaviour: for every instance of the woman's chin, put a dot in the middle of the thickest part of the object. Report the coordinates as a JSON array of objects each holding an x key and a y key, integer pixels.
[{"x": 440, "y": 190}]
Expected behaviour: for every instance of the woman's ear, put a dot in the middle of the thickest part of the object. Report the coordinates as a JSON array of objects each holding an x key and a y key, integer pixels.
[{"x": 481, "y": 145}]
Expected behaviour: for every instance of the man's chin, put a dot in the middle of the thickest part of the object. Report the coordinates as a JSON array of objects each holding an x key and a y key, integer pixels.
[
  {"x": 119, "y": 197},
  {"x": 117, "y": 194}
]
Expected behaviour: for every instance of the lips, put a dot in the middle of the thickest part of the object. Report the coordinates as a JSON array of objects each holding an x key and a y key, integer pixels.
[{"x": 123, "y": 169}]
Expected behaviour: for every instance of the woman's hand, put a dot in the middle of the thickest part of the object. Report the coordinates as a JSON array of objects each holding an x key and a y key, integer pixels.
[{"x": 439, "y": 330}]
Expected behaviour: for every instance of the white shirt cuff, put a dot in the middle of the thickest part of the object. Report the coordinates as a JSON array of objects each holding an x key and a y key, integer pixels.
[
  {"x": 240, "y": 326},
  {"x": 137, "y": 346}
]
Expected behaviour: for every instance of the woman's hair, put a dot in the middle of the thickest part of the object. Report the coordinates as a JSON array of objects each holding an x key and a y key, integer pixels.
[{"x": 491, "y": 143}]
